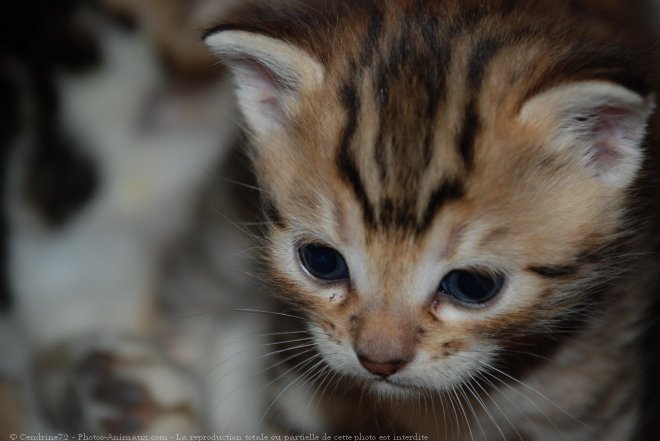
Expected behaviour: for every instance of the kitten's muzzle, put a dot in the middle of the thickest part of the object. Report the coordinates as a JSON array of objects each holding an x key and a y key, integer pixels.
[
  {"x": 384, "y": 340},
  {"x": 382, "y": 369}
]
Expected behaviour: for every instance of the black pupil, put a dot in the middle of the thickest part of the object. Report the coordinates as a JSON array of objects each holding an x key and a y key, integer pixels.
[
  {"x": 323, "y": 262},
  {"x": 471, "y": 287}
]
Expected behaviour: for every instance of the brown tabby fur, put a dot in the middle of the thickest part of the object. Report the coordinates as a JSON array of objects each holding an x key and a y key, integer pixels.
[{"x": 412, "y": 142}]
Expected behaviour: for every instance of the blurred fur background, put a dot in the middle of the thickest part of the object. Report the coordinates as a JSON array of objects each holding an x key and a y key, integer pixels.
[{"x": 115, "y": 126}]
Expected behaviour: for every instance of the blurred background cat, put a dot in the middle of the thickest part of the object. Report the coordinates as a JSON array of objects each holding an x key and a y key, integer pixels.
[{"x": 116, "y": 128}]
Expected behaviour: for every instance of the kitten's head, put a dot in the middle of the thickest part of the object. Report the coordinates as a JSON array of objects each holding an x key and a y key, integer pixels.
[{"x": 443, "y": 182}]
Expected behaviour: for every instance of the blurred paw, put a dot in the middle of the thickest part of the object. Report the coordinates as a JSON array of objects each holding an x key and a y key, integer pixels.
[{"x": 127, "y": 387}]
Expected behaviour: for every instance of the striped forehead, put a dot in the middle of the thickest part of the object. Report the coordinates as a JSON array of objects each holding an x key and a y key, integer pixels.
[{"x": 420, "y": 144}]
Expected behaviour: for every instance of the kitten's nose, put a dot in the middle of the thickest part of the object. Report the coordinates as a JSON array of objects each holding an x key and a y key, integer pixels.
[{"x": 382, "y": 369}]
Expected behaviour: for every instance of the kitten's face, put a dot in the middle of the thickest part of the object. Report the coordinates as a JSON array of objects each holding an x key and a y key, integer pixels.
[
  {"x": 427, "y": 216},
  {"x": 523, "y": 218}
]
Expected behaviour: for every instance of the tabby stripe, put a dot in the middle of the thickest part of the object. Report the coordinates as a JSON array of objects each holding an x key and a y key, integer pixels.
[
  {"x": 446, "y": 191},
  {"x": 435, "y": 82},
  {"x": 345, "y": 162},
  {"x": 272, "y": 213},
  {"x": 393, "y": 70},
  {"x": 554, "y": 271},
  {"x": 580, "y": 65},
  {"x": 594, "y": 255},
  {"x": 372, "y": 37},
  {"x": 483, "y": 53},
  {"x": 628, "y": 80},
  {"x": 472, "y": 16},
  {"x": 379, "y": 148},
  {"x": 400, "y": 215},
  {"x": 508, "y": 6},
  {"x": 471, "y": 126},
  {"x": 367, "y": 54}
]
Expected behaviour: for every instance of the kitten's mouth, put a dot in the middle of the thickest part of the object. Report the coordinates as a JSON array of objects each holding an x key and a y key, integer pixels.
[
  {"x": 392, "y": 387},
  {"x": 392, "y": 380}
]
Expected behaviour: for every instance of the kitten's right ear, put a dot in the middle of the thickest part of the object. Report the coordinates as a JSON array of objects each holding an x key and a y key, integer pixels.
[
  {"x": 600, "y": 124},
  {"x": 270, "y": 74}
]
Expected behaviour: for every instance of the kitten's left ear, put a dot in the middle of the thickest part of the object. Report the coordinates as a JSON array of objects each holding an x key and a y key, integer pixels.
[
  {"x": 270, "y": 74},
  {"x": 599, "y": 123}
]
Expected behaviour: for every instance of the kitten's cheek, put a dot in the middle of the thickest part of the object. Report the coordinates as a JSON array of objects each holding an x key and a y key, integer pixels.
[
  {"x": 328, "y": 299},
  {"x": 335, "y": 297},
  {"x": 336, "y": 353}
]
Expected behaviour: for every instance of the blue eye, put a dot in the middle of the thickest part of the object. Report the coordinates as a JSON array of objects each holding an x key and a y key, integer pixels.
[
  {"x": 471, "y": 287},
  {"x": 323, "y": 262}
]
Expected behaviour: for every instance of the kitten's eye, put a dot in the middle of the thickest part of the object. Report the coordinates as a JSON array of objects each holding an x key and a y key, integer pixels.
[
  {"x": 323, "y": 262},
  {"x": 471, "y": 287}
]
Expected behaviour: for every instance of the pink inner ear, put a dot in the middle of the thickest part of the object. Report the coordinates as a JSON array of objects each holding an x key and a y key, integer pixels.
[
  {"x": 608, "y": 128},
  {"x": 265, "y": 88}
]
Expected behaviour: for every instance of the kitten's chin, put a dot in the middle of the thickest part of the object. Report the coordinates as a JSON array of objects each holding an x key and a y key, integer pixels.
[{"x": 391, "y": 389}]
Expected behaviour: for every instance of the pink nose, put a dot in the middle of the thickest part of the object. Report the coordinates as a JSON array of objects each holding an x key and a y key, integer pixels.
[{"x": 382, "y": 369}]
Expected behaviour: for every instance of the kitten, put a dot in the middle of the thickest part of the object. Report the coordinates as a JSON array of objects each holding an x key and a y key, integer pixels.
[{"x": 458, "y": 195}]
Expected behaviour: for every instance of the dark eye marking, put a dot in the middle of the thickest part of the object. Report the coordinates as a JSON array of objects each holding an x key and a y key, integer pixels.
[
  {"x": 471, "y": 287},
  {"x": 554, "y": 271},
  {"x": 323, "y": 262}
]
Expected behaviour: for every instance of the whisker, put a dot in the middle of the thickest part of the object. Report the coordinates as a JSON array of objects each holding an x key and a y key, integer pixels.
[
  {"x": 435, "y": 417},
  {"x": 532, "y": 402},
  {"x": 332, "y": 379},
  {"x": 455, "y": 413},
  {"x": 233, "y": 356},
  {"x": 544, "y": 397},
  {"x": 303, "y": 363},
  {"x": 497, "y": 406},
  {"x": 472, "y": 410},
  {"x": 224, "y": 347},
  {"x": 465, "y": 418},
  {"x": 325, "y": 370},
  {"x": 217, "y": 382},
  {"x": 475, "y": 394},
  {"x": 517, "y": 409},
  {"x": 244, "y": 185},
  {"x": 298, "y": 378},
  {"x": 258, "y": 311},
  {"x": 284, "y": 342}
]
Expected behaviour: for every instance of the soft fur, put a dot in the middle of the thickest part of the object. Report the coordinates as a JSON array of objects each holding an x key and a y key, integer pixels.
[{"x": 418, "y": 137}]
